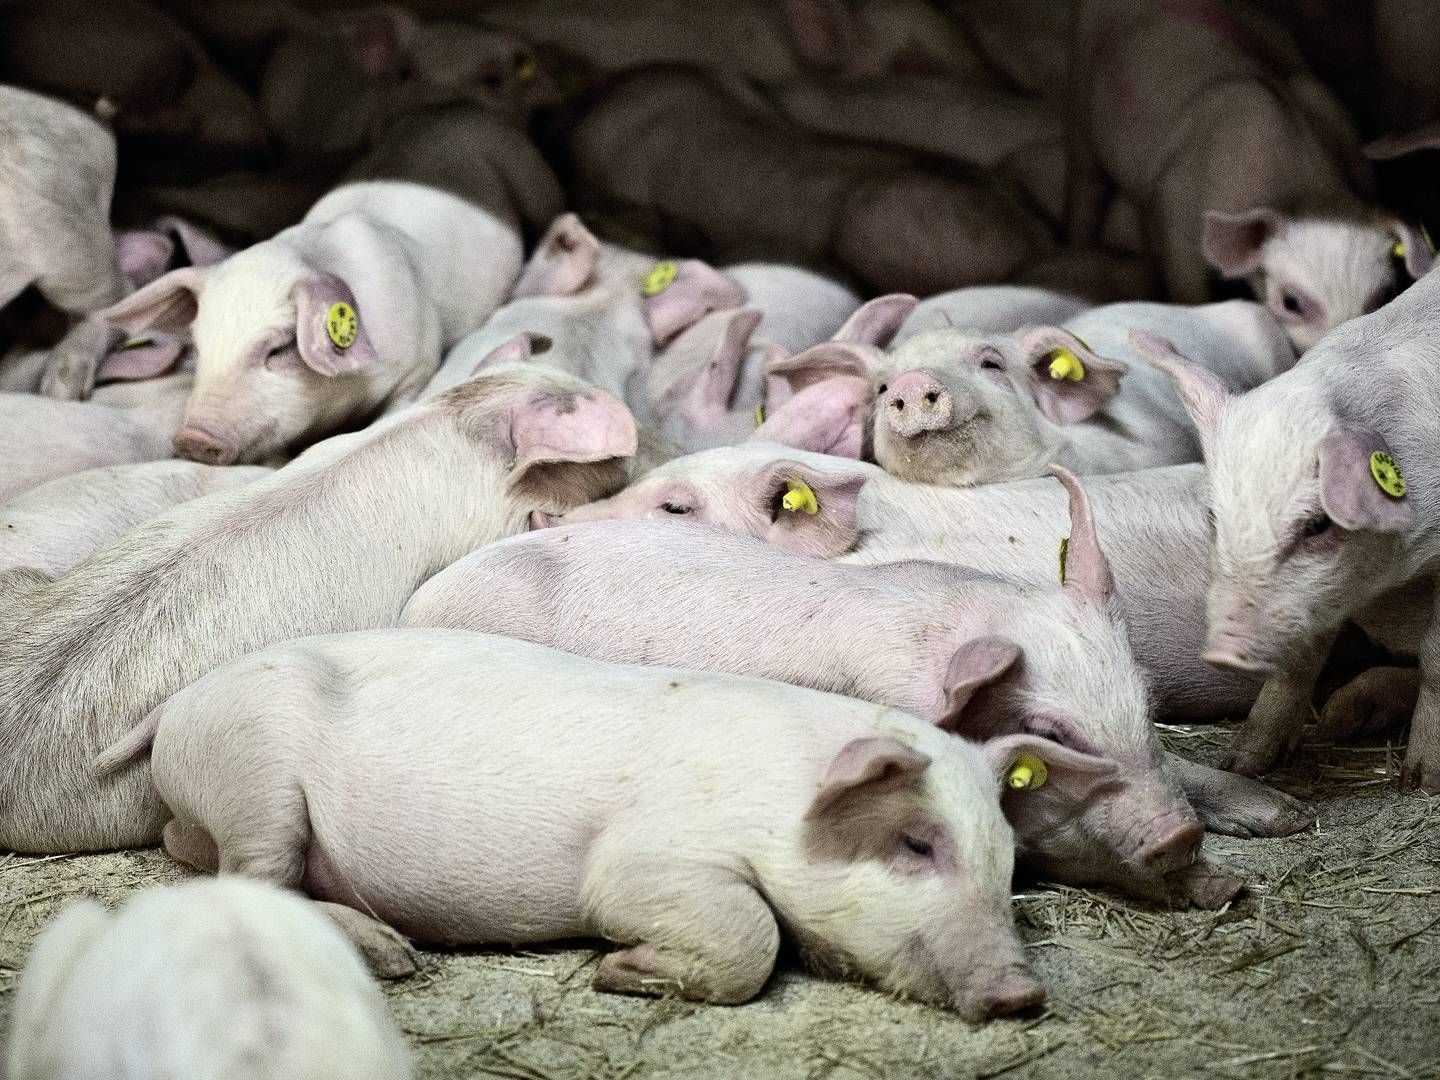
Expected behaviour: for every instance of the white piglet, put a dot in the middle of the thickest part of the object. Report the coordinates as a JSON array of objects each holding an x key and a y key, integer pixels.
[
  {"x": 211, "y": 980},
  {"x": 330, "y": 322}
]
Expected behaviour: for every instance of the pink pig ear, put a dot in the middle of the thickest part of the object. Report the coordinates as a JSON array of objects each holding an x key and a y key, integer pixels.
[
  {"x": 140, "y": 361},
  {"x": 1068, "y": 394},
  {"x": 697, "y": 290},
  {"x": 821, "y": 518},
  {"x": 826, "y": 418},
  {"x": 1419, "y": 257},
  {"x": 1087, "y": 571},
  {"x": 1350, "y": 490},
  {"x": 564, "y": 261},
  {"x": 578, "y": 426},
  {"x": 976, "y": 664},
  {"x": 1202, "y": 391},
  {"x": 518, "y": 350},
  {"x": 713, "y": 390},
  {"x": 1231, "y": 243},
  {"x": 876, "y": 322},
  {"x": 168, "y": 304},
  {"x": 327, "y": 352},
  {"x": 200, "y": 248},
  {"x": 866, "y": 768},
  {"x": 144, "y": 255},
  {"x": 825, "y": 361},
  {"x": 1070, "y": 779}
]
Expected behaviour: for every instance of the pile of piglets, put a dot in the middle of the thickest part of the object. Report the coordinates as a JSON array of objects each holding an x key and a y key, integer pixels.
[{"x": 498, "y": 478}]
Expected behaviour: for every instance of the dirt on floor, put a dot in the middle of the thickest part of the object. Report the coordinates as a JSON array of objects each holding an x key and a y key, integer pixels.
[{"x": 1327, "y": 966}]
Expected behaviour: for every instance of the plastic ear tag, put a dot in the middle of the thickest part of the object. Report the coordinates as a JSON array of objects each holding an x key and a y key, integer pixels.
[
  {"x": 759, "y": 415},
  {"x": 1399, "y": 249},
  {"x": 525, "y": 67},
  {"x": 1064, "y": 551},
  {"x": 660, "y": 278},
  {"x": 342, "y": 324},
  {"x": 1387, "y": 474},
  {"x": 1064, "y": 364},
  {"x": 135, "y": 343},
  {"x": 1027, "y": 774},
  {"x": 799, "y": 498}
]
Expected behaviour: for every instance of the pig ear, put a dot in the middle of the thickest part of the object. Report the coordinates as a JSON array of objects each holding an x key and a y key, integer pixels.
[
  {"x": 877, "y": 321},
  {"x": 976, "y": 664},
  {"x": 1086, "y": 570},
  {"x": 1356, "y": 486},
  {"x": 1231, "y": 243},
  {"x": 563, "y": 263},
  {"x": 330, "y": 327},
  {"x": 200, "y": 248},
  {"x": 140, "y": 361},
  {"x": 584, "y": 426},
  {"x": 825, "y": 418},
  {"x": 1202, "y": 391},
  {"x": 144, "y": 255},
  {"x": 518, "y": 350},
  {"x": 1398, "y": 144},
  {"x": 1069, "y": 381},
  {"x": 825, "y": 33},
  {"x": 1419, "y": 255},
  {"x": 1042, "y": 783},
  {"x": 696, "y": 289},
  {"x": 825, "y": 361},
  {"x": 168, "y": 304},
  {"x": 810, "y": 512},
  {"x": 715, "y": 387},
  {"x": 866, "y": 768}
]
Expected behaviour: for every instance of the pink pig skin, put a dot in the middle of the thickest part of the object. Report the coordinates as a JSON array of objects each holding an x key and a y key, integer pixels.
[
  {"x": 679, "y": 813},
  {"x": 872, "y": 632},
  {"x": 336, "y": 540}
]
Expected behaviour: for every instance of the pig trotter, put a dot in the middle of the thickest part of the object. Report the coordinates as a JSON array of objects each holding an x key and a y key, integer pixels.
[
  {"x": 192, "y": 845},
  {"x": 387, "y": 954},
  {"x": 1374, "y": 702},
  {"x": 1234, "y": 805}
]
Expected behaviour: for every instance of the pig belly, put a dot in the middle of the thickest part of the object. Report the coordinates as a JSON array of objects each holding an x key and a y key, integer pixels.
[{"x": 449, "y": 893}]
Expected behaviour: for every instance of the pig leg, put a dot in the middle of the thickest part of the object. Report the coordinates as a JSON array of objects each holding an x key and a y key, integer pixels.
[
  {"x": 387, "y": 954},
  {"x": 1235, "y": 805},
  {"x": 1422, "y": 754},
  {"x": 1272, "y": 729},
  {"x": 1373, "y": 702},
  {"x": 191, "y": 845},
  {"x": 699, "y": 932}
]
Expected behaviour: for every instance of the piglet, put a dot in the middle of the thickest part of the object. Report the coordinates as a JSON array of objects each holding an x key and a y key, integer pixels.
[
  {"x": 330, "y": 322},
  {"x": 336, "y": 540},
  {"x": 1321, "y": 487},
  {"x": 207, "y": 979},
  {"x": 977, "y": 654},
  {"x": 57, "y": 174},
  {"x": 56, "y": 526},
  {"x": 685, "y": 816}
]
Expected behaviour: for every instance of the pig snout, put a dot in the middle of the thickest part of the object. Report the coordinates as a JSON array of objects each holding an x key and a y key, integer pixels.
[
  {"x": 196, "y": 444},
  {"x": 916, "y": 402},
  {"x": 1005, "y": 993},
  {"x": 1170, "y": 844},
  {"x": 1232, "y": 649}
]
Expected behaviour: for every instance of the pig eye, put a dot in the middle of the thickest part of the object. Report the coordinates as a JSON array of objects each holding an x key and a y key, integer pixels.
[
  {"x": 1291, "y": 303},
  {"x": 1315, "y": 526},
  {"x": 674, "y": 508},
  {"x": 989, "y": 365},
  {"x": 917, "y": 846}
]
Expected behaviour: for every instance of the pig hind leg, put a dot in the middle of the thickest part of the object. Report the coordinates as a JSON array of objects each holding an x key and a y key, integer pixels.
[
  {"x": 192, "y": 845},
  {"x": 1372, "y": 703},
  {"x": 1272, "y": 730},
  {"x": 698, "y": 932}
]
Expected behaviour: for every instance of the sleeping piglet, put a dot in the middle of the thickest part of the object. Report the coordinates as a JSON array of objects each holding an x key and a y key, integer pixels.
[
  {"x": 978, "y": 654},
  {"x": 331, "y": 321},
  {"x": 337, "y": 540},
  {"x": 686, "y": 816},
  {"x": 224, "y": 977}
]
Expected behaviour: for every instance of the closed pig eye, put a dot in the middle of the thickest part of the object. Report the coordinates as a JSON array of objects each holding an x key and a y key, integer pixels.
[
  {"x": 675, "y": 508},
  {"x": 922, "y": 848}
]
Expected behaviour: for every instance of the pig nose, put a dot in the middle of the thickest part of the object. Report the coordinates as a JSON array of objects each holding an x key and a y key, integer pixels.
[
  {"x": 916, "y": 402},
  {"x": 1173, "y": 848},
  {"x": 197, "y": 444},
  {"x": 1010, "y": 993},
  {"x": 1231, "y": 650}
]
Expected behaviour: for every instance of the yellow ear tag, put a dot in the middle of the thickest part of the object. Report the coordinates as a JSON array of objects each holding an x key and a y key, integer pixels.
[
  {"x": 1387, "y": 474},
  {"x": 1398, "y": 250},
  {"x": 342, "y": 324},
  {"x": 1027, "y": 774},
  {"x": 759, "y": 415},
  {"x": 525, "y": 68},
  {"x": 660, "y": 278},
  {"x": 1064, "y": 550},
  {"x": 799, "y": 498},
  {"x": 136, "y": 343},
  {"x": 1064, "y": 364}
]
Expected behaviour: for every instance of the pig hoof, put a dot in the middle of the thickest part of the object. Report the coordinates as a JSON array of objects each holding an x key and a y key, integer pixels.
[
  {"x": 1248, "y": 762},
  {"x": 1263, "y": 813},
  {"x": 644, "y": 969},
  {"x": 1418, "y": 776},
  {"x": 387, "y": 954},
  {"x": 1375, "y": 701},
  {"x": 635, "y": 971}
]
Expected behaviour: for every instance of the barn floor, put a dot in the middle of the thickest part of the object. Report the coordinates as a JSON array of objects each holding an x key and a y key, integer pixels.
[{"x": 1329, "y": 966}]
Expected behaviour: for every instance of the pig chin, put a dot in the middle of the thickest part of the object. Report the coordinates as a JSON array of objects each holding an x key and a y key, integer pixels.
[{"x": 930, "y": 457}]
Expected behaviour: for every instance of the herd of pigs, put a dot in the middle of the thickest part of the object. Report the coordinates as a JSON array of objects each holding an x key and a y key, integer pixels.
[{"x": 685, "y": 603}]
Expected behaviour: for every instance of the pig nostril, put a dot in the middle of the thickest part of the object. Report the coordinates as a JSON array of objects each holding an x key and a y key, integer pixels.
[
  {"x": 898, "y": 404},
  {"x": 932, "y": 397}
]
